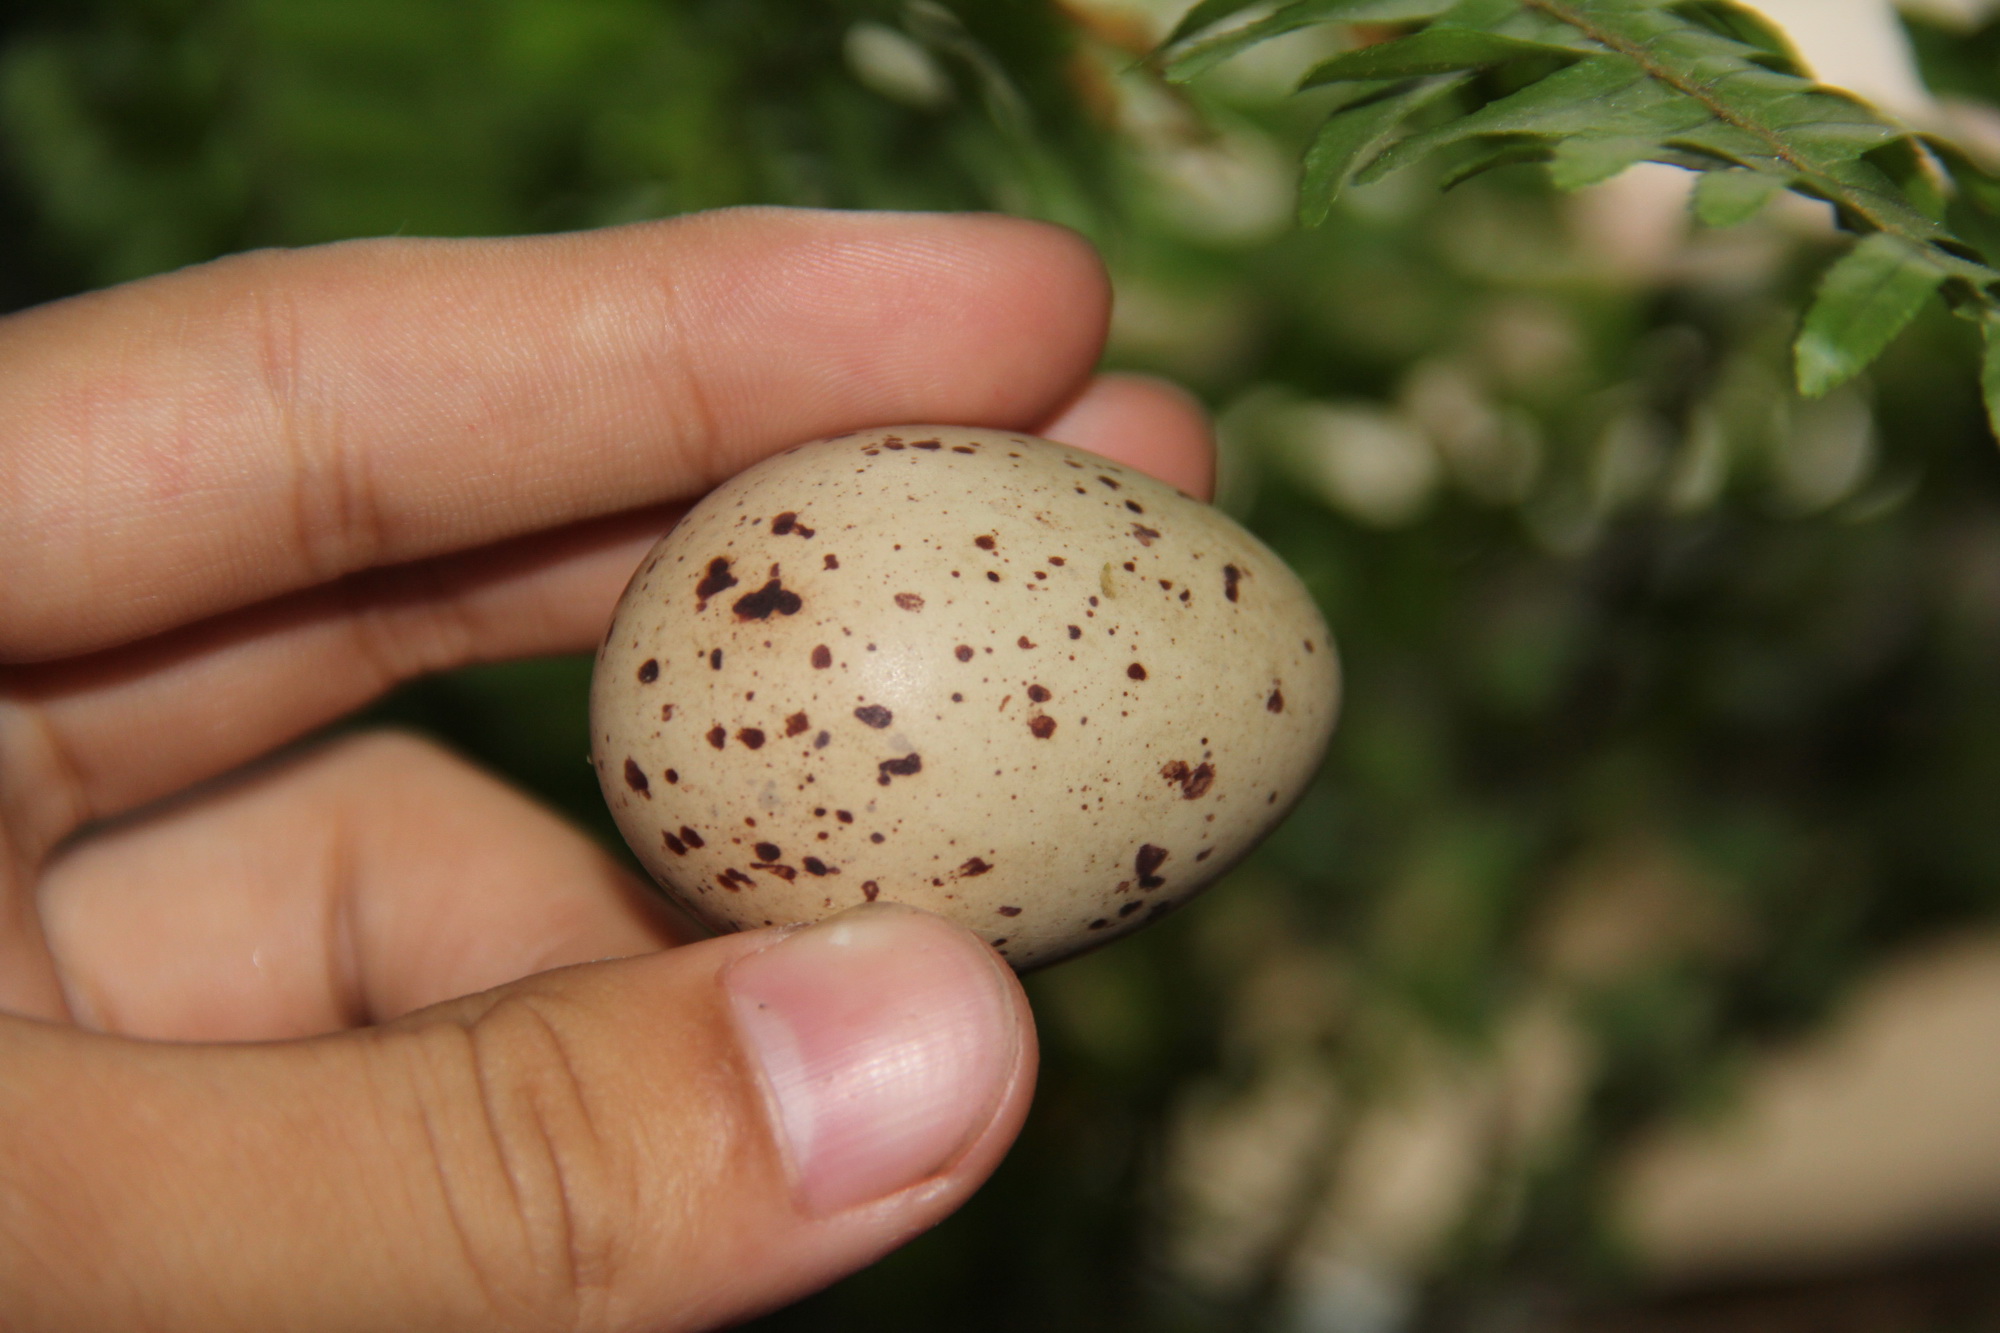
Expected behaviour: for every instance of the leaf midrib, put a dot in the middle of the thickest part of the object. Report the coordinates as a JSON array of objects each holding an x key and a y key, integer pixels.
[{"x": 1779, "y": 149}]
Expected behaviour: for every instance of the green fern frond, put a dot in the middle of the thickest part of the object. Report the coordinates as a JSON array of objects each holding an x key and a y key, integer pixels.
[{"x": 1591, "y": 87}]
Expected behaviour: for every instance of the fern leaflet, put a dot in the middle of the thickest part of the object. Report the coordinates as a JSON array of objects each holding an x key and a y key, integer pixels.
[{"x": 1591, "y": 87}]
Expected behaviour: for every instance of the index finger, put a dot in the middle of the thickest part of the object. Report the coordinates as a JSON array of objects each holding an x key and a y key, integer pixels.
[{"x": 214, "y": 437}]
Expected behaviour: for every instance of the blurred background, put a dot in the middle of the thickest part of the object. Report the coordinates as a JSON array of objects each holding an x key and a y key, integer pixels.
[{"x": 1634, "y": 963}]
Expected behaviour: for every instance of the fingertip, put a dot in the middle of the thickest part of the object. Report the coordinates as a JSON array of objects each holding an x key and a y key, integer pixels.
[
  {"x": 1150, "y": 423},
  {"x": 1039, "y": 296},
  {"x": 888, "y": 1044},
  {"x": 869, "y": 1072},
  {"x": 977, "y": 319}
]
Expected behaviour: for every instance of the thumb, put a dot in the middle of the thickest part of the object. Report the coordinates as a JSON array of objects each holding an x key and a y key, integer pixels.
[{"x": 667, "y": 1142}]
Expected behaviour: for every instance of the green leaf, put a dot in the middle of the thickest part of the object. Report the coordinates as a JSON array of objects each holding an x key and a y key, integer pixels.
[
  {"x": 1438, "y": 50},
  {"x": 1352, "y": 137},
  {"x": 1603, "y": 93},
  {"x": 1974, "y": 183},
  {"x": 1726, "y": 198},
  {"x": 1586, "y": 161},
  {"x": 1205, "y": 55},
  {"x": 1973, "y": 209},
  {"x": 1917, "y": 176},
  {"x": 1864, "y": 300},
  {"x": 1753, "y": 30},
  {"x": 1491, "y": 154},
  {"x": 1989, "y": 376},
  {"x": 1205, "y": 15}
]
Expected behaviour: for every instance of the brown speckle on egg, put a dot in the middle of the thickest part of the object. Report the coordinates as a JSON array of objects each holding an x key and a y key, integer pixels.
[
  {"x": 907, "y": 766},
  {"x": 1193, "y": 782},
  {"x": 716, "y": 579},
  {"x": 772, "y": 598},
  {"x": 1149, "y": 859}
]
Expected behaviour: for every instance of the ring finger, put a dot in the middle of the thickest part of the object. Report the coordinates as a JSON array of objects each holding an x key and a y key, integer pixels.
[{"x": 361, "y": 881}]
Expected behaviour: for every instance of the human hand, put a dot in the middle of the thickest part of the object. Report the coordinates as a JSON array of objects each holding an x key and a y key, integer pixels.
[{"x": 238, "y": 502}]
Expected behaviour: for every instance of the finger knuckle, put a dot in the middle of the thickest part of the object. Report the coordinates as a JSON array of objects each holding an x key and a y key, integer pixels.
[
  {"x": 529, "y": 1183},
  {"x": 689, "y": 401},
  {"x": 336, "y": 514}
]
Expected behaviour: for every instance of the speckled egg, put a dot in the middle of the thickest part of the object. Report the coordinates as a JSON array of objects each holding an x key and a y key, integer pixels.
[{"x": 988, "y": 675}]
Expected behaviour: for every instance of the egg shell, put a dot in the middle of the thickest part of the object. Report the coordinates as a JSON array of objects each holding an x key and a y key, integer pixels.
[{"x": 988, "y": 675}]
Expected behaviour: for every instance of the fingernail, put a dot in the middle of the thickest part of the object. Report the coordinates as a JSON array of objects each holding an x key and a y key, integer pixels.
[{"x": 885, "y": 1039}]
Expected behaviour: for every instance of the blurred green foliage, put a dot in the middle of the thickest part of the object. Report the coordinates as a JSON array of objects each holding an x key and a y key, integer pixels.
[
  {"x": 1669, "y": 701},
  {"x": 161, "y": 132}
]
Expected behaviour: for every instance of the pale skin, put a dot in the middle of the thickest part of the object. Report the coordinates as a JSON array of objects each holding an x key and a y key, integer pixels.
[{"x": 327, "y": 1040}]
